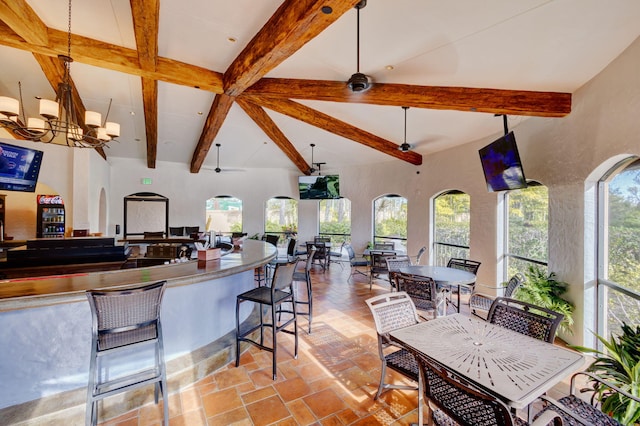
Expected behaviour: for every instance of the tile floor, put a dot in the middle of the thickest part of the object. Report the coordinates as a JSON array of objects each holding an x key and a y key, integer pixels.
[{"x": 332, "y": 382}]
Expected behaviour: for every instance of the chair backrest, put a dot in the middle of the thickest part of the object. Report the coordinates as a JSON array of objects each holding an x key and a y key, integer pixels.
[
  {"x": 525, "y": 318},
  {"x": 176, "y": 231},
  {"x": 125, "y": 316},
  {"x": 422, "y": 290},
  {"x": 310, "y": 255},
  {"x": 464, "y": 264},
  {"x": 318, "y": 239},
  {"x": 321, "y": 249},
  {"x": 420, "y": 253},
  {"x": 291, "y": 247},
  {"x": 272, "y": 239},
  {"x": 458, "y": 400},
  {"x": 383, "y": 246},
  {"x": 392, "y": 311},
  {"x": 379, "y": 260},
  {"x": 350, "y": 252},
  {"x": 394, "y": 263},
  {"x": 514, "y": 283},
  {"x": 283, "y": 276},
  {"x": 189, "y": 230},
  {"x": 159, "y": 234}
]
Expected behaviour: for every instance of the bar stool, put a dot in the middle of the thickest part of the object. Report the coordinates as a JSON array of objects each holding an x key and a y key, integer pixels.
[
  {"x": 125, "y": 320},
  {"x": 281, "y": 291}
]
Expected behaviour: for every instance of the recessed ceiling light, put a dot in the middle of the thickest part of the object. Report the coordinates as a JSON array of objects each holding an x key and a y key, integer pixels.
[
  {"x": 389, "y": 67},
  {"x": 232, "y": 39},
  {"x": 137, "y": 139},
  {"x": 132, "y": 113},
  {"x": 199, "y": 112}
]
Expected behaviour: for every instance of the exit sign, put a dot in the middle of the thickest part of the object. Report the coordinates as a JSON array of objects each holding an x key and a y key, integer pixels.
[{"x": 146, "y": 181}]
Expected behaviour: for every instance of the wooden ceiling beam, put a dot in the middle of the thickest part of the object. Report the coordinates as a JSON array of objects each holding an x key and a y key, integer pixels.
[
  {"x": 335, "y": 126},
  {"x": 53, "y": 69},
  {"x": 116, "y": 58},
  {"x": 21, "y": 18},
  {"x": 146, "y": 19},
  {"x": 495, "y": 101},
  {"x": 289, "y": 28},
  {"x": 271, "y": 129},
  {"x": 217, "y": 114}
]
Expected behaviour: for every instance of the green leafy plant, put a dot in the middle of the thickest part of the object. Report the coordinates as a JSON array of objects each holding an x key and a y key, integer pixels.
[
  {"x": 545, "y": 290},
  {"x": 619, "y": 365}
]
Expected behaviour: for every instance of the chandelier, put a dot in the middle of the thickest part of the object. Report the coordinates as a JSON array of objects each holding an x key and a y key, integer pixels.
[{"x": 59, "y": 117}]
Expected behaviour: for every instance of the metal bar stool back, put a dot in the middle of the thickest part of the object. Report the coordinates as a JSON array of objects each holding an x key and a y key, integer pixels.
[{"x": 125, "y": 319}]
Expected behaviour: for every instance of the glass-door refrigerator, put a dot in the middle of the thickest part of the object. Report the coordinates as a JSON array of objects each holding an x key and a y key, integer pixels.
[{"x": 50, "y": 217}]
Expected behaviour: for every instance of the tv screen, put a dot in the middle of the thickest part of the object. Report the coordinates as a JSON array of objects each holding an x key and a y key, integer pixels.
[
  {"x": 319, "y": 187},
  {"x": 501, "y": 164},
  {"x": 19, "y": 168}
]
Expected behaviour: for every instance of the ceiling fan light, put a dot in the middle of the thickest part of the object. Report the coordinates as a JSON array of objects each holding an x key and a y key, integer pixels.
[
  {"x": 359, "y": 82},
  {"x": 49, "y": 109},
  {"x": 9, "y": 106},
  {"x": 405, "y": 147}
]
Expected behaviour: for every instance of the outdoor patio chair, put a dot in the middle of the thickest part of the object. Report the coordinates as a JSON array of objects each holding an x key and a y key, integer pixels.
[
  {"x": 392, "y": 311},
  {"x": 465, "y": 265},
  {"x": 454, "y": 401},
  {"x": 378, "y": 264},
  {"x": 525, "y": 318},
  {"x": 355, "y": 262},
  {"x": 394, "y": 264},
  {"x": 421, "y": 290},
  {"x": 481, "y": 302},
  {"x": 305, "y": 276},
  {"x": 576, "y": 411}
]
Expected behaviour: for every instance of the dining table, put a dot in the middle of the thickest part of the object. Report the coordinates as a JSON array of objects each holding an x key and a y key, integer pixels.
[
  {"x": 443, "y": 276},
  {"x": 513, "y": 367}
]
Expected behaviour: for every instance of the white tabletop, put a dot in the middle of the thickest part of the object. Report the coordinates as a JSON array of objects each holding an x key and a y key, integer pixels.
[
  {"x": 511, "y": 366},
  {"x": 441, "y": 274}
]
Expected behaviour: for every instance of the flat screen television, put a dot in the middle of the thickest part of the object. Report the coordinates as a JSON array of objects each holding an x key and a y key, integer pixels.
[
  {"x": 19, "y": 168},
  {"x": 319, "y": 187},
  {"x": 501, "y": 164}
]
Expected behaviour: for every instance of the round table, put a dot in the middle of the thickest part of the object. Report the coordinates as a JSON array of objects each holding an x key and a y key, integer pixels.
[{"x": 443, "y": 276}]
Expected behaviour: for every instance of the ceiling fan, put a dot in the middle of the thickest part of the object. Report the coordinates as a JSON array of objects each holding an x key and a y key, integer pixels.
[{"x": 218, "y": 169}]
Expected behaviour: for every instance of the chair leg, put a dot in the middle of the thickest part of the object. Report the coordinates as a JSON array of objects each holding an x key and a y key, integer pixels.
[
  {"x": 274, "y": 340},
  {"x": 310, "y": 302},
  {"x": 383, "y": 372},
  {"x": 237, "y": 332}
]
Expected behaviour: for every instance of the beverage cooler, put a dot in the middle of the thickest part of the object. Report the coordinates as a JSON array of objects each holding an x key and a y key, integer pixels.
[{"x": 50, "y": 217}]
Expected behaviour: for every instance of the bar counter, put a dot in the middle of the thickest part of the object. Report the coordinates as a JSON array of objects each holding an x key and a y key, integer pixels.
[{"x": 45, "y": 328}]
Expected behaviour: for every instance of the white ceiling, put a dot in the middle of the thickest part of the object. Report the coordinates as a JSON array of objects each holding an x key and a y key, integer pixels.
[{"x": 504, "y": 44}]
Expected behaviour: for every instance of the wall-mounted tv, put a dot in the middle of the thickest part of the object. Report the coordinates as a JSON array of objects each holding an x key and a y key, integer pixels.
[
  {"x": 19, "y": 168},
  {"x": 319, "y": 187},
  {"x": 501, "y": 164}
]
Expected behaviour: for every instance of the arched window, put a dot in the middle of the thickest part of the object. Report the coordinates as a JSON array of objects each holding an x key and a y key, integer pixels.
[
  {"x": 619, "y": 247},
  {"x": 390, "y": 221},
  {"x": 334, "y": 219},
  {"x": 281, "y": 217},
  {"x": 526, "y": 230},
  {"x": 224, "y": 214},
  {"x": 451, "y": 216}
]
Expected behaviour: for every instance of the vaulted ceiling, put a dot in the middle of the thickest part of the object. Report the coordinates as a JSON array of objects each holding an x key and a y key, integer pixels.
[{"x": 265, "y": 79}]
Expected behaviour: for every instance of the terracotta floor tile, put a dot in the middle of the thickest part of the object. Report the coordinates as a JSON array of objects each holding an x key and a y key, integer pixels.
[
  {"x": 221, "y": 401},
  {"x": 324, "y": 403},
  {"x": 292, "y": 389},
  {"x": 190, "y": 418},
  {"x": 258, "y": 394},
  {"x": 301, "y": 413},
  {"x": 267, "y": 411},
  {"x": 231, "y": 377},
  {"x": 237, "y": 417}
]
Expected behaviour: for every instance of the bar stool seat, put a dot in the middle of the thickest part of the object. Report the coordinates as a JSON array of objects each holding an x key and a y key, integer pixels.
[
  {"x": 280, "y": 292},
  {"x": 125, "y": 320}
]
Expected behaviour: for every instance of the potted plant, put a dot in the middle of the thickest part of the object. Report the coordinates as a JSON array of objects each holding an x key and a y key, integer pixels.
[
  {"x": 545, "y": 290},
  {"x": 618, "y": 364}
]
